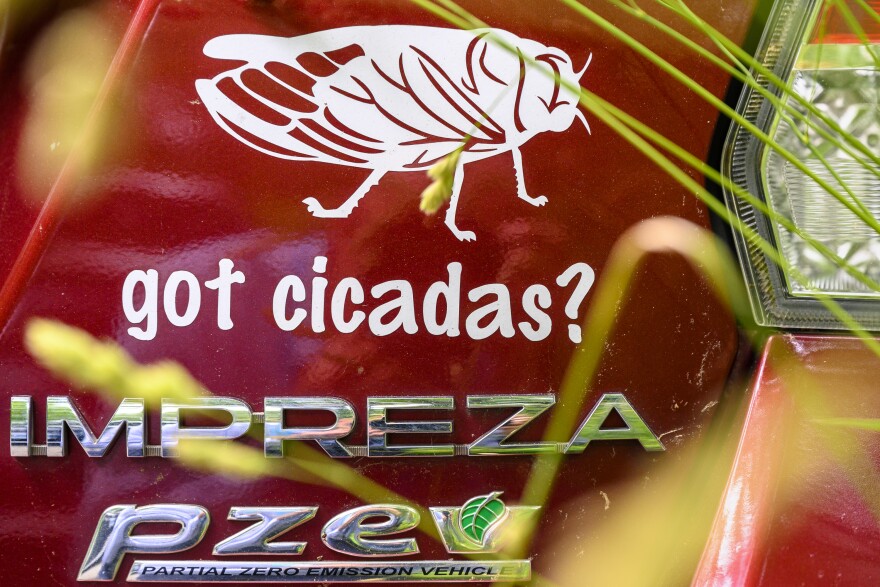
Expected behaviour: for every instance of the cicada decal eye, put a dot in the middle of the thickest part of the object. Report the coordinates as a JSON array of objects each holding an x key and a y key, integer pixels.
[{"x": 391, "y": 99}]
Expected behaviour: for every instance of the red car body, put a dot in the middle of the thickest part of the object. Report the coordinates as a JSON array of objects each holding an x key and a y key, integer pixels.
[{"x": 173, "y": 191}]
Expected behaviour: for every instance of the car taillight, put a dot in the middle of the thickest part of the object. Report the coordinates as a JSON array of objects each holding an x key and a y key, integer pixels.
[{"x": 821, "y": 180}]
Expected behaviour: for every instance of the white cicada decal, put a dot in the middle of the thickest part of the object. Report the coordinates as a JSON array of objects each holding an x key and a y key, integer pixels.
[{"x": 391, "y": 98}]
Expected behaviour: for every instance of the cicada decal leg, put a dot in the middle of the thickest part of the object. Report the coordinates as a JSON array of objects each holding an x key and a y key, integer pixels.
[
  {"x": 521, "y": 182},
  {"x": 347, "y": 207},
  {"x": 457, "y": 180}
]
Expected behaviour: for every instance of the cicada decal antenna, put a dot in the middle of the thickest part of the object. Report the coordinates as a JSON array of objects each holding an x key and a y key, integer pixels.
[
  {"x": 580, "y": 116},
  {"x": 580, "y": 74}
]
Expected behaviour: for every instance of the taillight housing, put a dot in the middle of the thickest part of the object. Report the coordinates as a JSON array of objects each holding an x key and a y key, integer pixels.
[{"x": 827, "y": 117}]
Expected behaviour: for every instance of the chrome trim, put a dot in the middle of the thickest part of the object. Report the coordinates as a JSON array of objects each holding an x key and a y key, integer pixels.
[
  {"x": 328, "y": 437},
  {"x": 150, "y": 571},
  {"x": 271, "y": 522},
  {"x": 591, "y": 429},
  {"x": 347, "y": 533},
  {"x": 448, "y": 522},
  {"x": 21, "y": 425},
  {"x": 173, "y": 432},
  {"x": 113, "y": 538},
  {"x": 60, "y": 411},
  {"x": 530, "y": 408},
  {"x": 378, "y": 426}
]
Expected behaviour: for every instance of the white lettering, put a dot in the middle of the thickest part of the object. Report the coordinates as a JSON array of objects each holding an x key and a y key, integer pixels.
[{"x": 223, "y": 285}]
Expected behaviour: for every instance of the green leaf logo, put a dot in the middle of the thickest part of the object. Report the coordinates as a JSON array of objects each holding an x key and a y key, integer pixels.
[{"x": 481, "y": 514}]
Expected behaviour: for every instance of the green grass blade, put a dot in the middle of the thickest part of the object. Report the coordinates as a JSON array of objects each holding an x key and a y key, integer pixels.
[{"x": 719, "y": 104}]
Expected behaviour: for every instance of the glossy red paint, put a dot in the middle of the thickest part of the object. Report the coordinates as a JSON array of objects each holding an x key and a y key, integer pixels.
[
  {"x": 177, "y": 193},
  {"x": 740, "y": 527},
  {"x": 52, "y": 210},
  {"x": 800, "y": 507}
]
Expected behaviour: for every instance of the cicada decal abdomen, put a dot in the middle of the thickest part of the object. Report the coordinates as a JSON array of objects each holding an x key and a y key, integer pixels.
[{"x": 391, "y": 99}]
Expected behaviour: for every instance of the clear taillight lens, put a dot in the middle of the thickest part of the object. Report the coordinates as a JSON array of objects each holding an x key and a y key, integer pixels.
[{"x": 829, "y": 123}]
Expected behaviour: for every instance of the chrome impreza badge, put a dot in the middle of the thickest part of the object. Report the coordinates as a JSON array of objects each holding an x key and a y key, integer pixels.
[
  {"x": 61, "y": 413},
  {"x": 369, "y": 531}
]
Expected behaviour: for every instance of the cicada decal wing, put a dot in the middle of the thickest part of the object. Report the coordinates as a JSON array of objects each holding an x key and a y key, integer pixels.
[
  {"x": 269, "y": 103},
  {"x": 490, "y": 67},
  {"x": 414, "y": 94},
  {"x": 396, "y": 97}
]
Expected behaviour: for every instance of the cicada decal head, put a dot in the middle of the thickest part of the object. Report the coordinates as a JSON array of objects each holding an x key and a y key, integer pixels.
[{"x": 551, "y": 92}]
